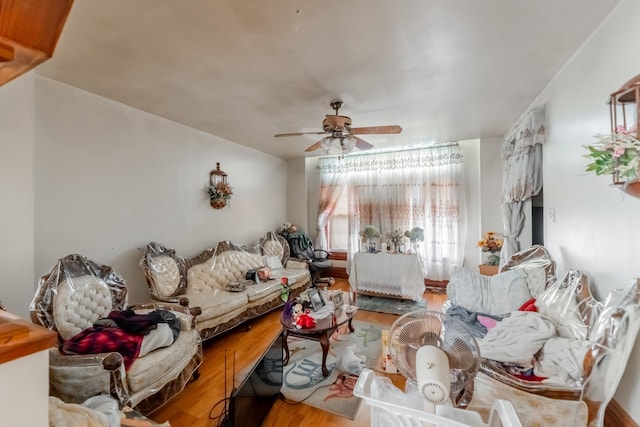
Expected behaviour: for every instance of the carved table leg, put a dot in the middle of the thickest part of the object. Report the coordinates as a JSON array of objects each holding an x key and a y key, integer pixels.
[
  {"x": 324, "y": 342},
  {"x": 285, "y": 345}
]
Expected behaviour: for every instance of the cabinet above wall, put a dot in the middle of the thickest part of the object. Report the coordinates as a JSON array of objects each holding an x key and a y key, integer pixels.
[{"x": 29, "y": 32}]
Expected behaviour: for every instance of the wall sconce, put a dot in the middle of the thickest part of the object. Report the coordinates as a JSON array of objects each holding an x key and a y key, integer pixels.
[
  {"x": 219, "y": 190},
  {"x": 29, "y": 31}
]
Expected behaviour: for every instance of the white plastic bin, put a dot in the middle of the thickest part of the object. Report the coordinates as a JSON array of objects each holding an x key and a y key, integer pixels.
[{"x": 385, "y": 414}]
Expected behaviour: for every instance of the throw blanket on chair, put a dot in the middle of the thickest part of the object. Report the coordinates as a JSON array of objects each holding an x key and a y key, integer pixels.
[
  {"x": 125, "y": 332},
  {"x": 517, "y": 338}
]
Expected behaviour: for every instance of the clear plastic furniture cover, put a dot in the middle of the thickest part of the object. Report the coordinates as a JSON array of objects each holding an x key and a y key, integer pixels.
[
  {"x": 610, "y": 328},
  {"x": 75, "y": 294}
]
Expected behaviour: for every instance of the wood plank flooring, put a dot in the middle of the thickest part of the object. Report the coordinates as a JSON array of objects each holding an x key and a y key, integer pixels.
[{"x": 196, "y": 405}]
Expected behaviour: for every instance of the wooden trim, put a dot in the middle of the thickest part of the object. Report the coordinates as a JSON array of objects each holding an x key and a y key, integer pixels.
[
  {"x": 336, "y": 272},
  {"x": 19, "y": 337},
  {"x": 616, "y": 416},
  {"x": 436, "y": 283},
  {"x": 338, "y": 256}
]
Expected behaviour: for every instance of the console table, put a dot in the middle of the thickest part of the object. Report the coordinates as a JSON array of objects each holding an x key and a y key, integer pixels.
[{"x": 396, "y": 275}]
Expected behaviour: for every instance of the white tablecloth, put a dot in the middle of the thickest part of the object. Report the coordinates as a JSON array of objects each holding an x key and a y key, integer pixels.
[{"x": 390, "y": 274}]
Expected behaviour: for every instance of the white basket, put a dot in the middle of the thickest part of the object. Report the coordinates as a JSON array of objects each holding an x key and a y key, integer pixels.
[{"x": 385, "y": 414}]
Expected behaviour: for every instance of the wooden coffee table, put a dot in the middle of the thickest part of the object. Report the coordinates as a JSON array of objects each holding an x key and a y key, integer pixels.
[{"x": 322, "y": 331}]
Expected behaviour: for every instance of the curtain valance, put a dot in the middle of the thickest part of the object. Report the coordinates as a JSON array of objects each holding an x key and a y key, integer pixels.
[{"x": 408, "y": 159}]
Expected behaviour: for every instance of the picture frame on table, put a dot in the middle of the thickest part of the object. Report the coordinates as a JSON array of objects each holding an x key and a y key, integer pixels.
[
  {"x": 316, "y": 299},
  {"x": 337, "y": 299}
]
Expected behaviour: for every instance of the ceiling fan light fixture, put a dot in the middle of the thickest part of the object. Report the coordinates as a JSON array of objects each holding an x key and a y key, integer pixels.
[
  {"x": 348, "y": 144},
  {"x": 338, "y": 146},
  {"x": 327, "y": 143}
]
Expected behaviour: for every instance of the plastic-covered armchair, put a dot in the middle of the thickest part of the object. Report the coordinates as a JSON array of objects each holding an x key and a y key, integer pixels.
[{"x": 75, "y": 295}]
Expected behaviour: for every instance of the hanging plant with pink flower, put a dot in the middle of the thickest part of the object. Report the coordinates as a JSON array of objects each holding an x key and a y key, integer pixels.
[{"x": 615, "y": 154}]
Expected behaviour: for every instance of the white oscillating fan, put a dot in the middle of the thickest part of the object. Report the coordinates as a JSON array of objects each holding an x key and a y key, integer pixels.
[{"x": 439, "y": 355}]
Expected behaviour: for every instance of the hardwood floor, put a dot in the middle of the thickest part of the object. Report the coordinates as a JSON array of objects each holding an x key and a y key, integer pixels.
[{"x": 196, "y": 405}]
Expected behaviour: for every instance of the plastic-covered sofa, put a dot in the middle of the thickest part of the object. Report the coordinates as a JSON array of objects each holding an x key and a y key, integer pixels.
[
  {"x": 144, "y": 371},
  {"x": 602, "y": 333},
  {"x": 215, "y": 281}
]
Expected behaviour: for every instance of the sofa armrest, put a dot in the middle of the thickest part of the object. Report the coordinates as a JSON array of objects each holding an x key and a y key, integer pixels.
[
  {"x": 186, "y": 315},
  {"x": 75, "y": 378}
]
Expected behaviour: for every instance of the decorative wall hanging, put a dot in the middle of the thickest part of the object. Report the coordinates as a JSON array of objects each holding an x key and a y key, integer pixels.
[
  {"x": 219, "y": 190},
  {"x": 618, "y": 153}
]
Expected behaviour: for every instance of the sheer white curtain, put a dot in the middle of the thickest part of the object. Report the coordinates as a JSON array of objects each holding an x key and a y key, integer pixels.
[
  {"x": 332, "y": 183},
  {"x": 522, "y": 174},
  {"x": 406, "y": 189}
]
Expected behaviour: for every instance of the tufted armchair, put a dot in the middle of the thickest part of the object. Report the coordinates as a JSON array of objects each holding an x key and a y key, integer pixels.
[{"x": 71, "y": 298}]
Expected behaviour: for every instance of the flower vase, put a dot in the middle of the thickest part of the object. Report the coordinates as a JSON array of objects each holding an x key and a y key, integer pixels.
[
  {"x": 372, "y": 247},
  {"x": 218, "y": 203},
  {"x": 490, "y": 257}
]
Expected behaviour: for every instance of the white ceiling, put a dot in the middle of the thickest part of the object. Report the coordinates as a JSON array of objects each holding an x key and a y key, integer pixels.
[{"x": 244, "y": 70}]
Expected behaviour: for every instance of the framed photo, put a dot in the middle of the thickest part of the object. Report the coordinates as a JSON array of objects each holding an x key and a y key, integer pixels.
[
  {"x": 336, "y": 297},
  {"x": 316, "y": 299}
]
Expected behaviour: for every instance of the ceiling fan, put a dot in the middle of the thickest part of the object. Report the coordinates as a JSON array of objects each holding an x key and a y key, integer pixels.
[{"x": 342, "y": 137}]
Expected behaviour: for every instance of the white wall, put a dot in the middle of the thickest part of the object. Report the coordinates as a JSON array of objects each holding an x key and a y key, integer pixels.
[
  {"x": 109, "y": 179},
  {"x": 297, "y": 196},
  {"x": 483, "y": 180},
  {"x": 16, "y": 191},
  {"x": 491, "y": 188},
  {"x": 473, "y": 203},
  {"x": 595, "y": 227}
]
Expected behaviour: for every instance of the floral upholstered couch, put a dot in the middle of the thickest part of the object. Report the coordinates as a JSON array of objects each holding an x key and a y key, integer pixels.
[{"x": 214, "y": 282}]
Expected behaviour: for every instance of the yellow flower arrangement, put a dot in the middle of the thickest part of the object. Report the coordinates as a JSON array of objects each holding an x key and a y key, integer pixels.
[{"x": 491, "y": 242}]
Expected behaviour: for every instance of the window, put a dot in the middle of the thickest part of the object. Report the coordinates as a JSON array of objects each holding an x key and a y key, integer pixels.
[{"x": 396, "y": 191}]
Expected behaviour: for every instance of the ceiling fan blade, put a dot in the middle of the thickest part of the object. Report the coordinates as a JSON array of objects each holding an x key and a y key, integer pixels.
[
  {"x": 377, "y": 129},
  {"x": 299, "y": 133},
  {"x": 362, "y": 144},
  {"x": 315, "y": 146}
]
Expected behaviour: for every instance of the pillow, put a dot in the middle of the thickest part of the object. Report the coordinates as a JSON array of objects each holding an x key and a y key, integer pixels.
[
  {"x": 496, "y": 295},
  {"x": 165, "y": 274},
  {"x": 536, "y": 280},
  {"x": 272, "y": 261}
]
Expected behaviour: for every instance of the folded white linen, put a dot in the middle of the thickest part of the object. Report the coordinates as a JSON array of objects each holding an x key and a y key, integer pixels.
[
  {"x": 517, "y": 338},
  {"x": 560, "y": 360}
]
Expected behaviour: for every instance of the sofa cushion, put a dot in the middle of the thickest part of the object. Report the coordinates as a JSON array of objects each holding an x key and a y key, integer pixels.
[
  {"x": 153, "y": 367},
  {"x": 165, "y": 274},
  {"x": 293, "y": 275},
  {"x": 221, "y": 269},
  {"x": 217, "y": 302},
  {"x": 79, "y": 303},
  {"x": 496, "y": 295},
  {"x": 255, "y": 292},
  {"x": 272, "y": 261}
]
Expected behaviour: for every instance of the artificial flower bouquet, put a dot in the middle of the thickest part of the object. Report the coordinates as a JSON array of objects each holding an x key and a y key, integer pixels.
[
  {"x": 286, "y": 229},
  {"x": 416, "y": 234},
  {"x": 396, "y": 238},
  {"x": 369, "y": 232},
  {"x": 491, "y": 242}
]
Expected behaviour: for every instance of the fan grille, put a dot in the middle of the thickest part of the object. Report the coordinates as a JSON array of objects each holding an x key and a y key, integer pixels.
[{"x": 418, "y": 328}]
